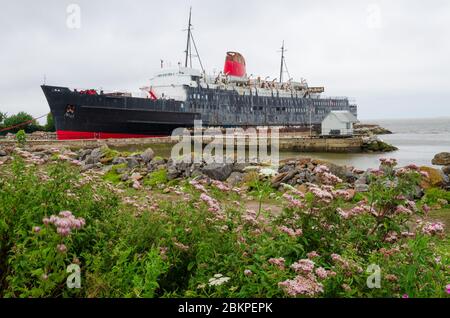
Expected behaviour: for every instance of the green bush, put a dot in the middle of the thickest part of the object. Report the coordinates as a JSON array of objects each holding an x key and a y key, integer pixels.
[{"x": 191, "y": 244}]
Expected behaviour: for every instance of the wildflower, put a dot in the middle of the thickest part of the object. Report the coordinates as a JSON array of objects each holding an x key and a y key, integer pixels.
[
  {"x": 220, "y": 185},
  {"x": 405, "y": 296},
  {"x": 433, "y": 228},
  {"x": 293, "y": 201},
  {"x": 403, "y": 210},
  {"x": 391, "y": 237},
  {"x": 218, "y": 280},
  {"x": 312, "y": 255},
  {"x": 391, "y": 278},
  {"x": 248, "y": 272},
  {"x": 321, "y": 273},
  {"x": 36, "y": 229},
  {"x": 426, "y": 209},
  {"x": 291, "y": 232},
  {"x": 346, "y": 287},
  {"x": 198, "y": 186},
  {"x": 61, "y": 248},
  {"x": 303, "y": 266},
  {"x": 345, "y": 194},
  {"x": 388, "y": 162},
  {"x": 302, "y": 285},
  {"x": 448, "y": 288},
  {"x": 65, "y": 222},
  {"x": 181, "y": 246},
  {"x": 277, "y": 262}
]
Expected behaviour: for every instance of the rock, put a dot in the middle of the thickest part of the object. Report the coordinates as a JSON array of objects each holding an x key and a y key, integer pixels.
[
  {"x": 82, "y": 154},
  {"x": 136, "y": 176},
  {"x": 283, "y": 178},
  {"x": 136, "y": 185},
  {"x": 240, "y": 167},
  {"x": 91, "y": 160},
  {"x": 235, "y": 178},
  {"x": 87, "y": 166},
  {"x": 435, "y": 178},
  {"x": 119, "y": 160},
  {"x": 446, "y": 170},
  {"x": 218, "y": 171},
  {"x": 97, "y": 153},
  {"x": 148, "y": 155},
  {"x": 3, "y": 153},
  {"x": 441, "y": 159},
  {"x": 132, "y": 162},
  {"x": 361, "y": 187},
  {"x": 125, "y": 177},
  {"x": 268, "y": 172},
  {"x": 173, "y": 172},
  {"x": 157, "y": 161}
]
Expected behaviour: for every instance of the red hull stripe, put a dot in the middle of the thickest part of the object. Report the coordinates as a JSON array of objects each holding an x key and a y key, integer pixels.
[{"x": 73, "y": 135}]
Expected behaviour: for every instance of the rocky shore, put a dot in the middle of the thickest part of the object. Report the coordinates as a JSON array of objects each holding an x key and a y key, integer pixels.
[
  {"x": 136, "y": 169},
  {"x": 370, "y": 129}
]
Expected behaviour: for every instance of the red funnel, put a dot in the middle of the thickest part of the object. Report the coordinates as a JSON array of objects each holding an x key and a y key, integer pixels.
[{"x": 235, "y": 65}]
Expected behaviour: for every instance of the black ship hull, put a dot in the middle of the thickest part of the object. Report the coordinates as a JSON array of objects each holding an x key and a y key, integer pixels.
[{"x": 81, "y": 115}]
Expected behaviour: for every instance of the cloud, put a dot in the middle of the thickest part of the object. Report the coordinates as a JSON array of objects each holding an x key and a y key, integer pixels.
[{"x": 393, "y": 57}]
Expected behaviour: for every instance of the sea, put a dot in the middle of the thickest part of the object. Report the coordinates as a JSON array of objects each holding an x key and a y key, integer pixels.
[{"x": 417, "y": 140}]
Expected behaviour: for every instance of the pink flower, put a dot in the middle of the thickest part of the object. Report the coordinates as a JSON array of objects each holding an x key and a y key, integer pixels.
[
  {"x": 248, "y": 272},
  {"x": 433, "y": 228},
  {"x": 312, "y": 255},
  {"x": 302, "y": 285},
  {"x": 181, "y": 246},
  {"x": 405, "y": 296},
  {"x": 321, "y": 273},
  {"x": 279, "y": 262},
  {"x": 36, "y": 229},
  {"x": 61, "y": 248},
  {"x": 291, "y": 232},
  {"x": 303, "y": 266},
  {"x": 448, "y": 288},
  {"x": 426, "y": 209}
]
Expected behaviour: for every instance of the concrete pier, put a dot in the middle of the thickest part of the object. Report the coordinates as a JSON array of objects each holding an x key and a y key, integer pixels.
[{"x": 287, "y": 142}]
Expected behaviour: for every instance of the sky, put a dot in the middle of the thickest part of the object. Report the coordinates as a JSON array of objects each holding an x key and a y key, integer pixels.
[{"x": 392, "y": 57}]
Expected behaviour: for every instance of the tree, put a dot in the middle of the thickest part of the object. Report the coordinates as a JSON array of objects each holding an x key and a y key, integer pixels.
[
  {"x": 21, "y": 118},
  {"x": 50, "y": 126}
]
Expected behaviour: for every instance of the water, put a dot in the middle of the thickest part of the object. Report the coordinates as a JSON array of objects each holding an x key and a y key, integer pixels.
[{"x": 418, "y": 141}]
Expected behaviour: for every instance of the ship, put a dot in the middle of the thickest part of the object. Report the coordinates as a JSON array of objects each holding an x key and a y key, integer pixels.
[{"x": 178, "y": 97}]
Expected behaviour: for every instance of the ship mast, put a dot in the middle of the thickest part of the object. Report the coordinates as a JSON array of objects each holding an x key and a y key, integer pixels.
[
  {"x": 282, "y": 63},
  {"x": 188, "y": 43}
]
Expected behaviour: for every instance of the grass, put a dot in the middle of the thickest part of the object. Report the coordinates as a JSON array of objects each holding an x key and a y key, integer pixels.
[{"x": 444, "y": 216}]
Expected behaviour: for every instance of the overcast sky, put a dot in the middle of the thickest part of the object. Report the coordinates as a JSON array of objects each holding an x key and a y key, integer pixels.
[{"x": 393, "y": 57}]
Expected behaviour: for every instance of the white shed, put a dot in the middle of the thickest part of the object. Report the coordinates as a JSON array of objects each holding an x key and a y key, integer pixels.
[{"x": 338, "y": 123}]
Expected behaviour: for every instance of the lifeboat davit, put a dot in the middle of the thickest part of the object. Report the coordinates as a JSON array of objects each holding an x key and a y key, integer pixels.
[{"x": 235, "y": 65}]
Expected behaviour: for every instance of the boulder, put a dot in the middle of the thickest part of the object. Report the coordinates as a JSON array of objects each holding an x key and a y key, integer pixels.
[
  {"x": 446, "y": 170},
  {"x": 218, "y": 171},
  {"x": 136, "y": 176},
  {"x": 132, "y": 162},
  {"x": 283, "y": 178},
  {"x": 235, "y": 178},
  {"x": 441, "y": 159},
  {"x": 87, "y": 166},
  {"x": 3, "y": 153},
  {"x": 148, "y": 155},
  {"x": 361, "y": 187},
  {"x": 240, "y": 167},
  {"x": 435, "y": 178},
  {"x": 173, "y": 172},
  {"x": 118, "y": 161}
]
